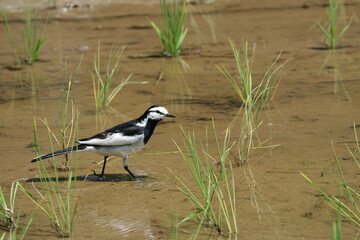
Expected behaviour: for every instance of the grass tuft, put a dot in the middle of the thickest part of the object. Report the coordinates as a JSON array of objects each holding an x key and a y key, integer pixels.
[
  {"x": 68, "y": 115},
  {"x": 32, "y": 43},
  {"x": 173, "y": 32},
  {"x": 253, "y": 98},
  {"x": 242, "y": 81},
  {"x": 331, "y": 30},
  {"x": 103, "y": 84},
  {"x": 214, "y": 199},
  {"x": 59, "y": 203}
]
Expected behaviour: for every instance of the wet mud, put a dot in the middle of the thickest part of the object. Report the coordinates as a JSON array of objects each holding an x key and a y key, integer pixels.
[{"x": 316, "y": 103}]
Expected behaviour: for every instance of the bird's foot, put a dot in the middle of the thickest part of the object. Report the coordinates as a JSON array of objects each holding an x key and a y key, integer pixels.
[
  {"x": 137, "y": 179},
  {"x": 100, "y": 176}
]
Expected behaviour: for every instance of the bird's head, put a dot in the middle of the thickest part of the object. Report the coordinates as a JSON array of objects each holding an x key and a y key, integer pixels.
[{"x": 157, "y": 113}]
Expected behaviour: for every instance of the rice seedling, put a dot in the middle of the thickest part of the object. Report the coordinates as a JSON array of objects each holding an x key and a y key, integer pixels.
[
  {"x": 348, "y": 205},
  {"x": 59, "y": 207},
  {"x": 242, "y": 82},
  {"x": 214, "y": 200},
  {"x": 68, "y": 115},
  {"x": 253, "y": 98},
  {"x": 103, "y": 84},
  {"x": 32, "y": 43},
  {"x": 7, "y": 211},
  {"x": 173, "y": 33},
  {"x": 58, "y": 202},
  {"x": 331, "y": 30},
  {"x": 246, "y": 141}
]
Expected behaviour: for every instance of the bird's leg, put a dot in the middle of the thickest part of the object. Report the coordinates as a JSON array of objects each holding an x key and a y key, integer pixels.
[
  {"x": 127, "y": 169},
  {"x": 101, "y": 176}
]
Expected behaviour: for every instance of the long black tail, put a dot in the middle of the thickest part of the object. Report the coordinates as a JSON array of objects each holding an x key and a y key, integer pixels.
[{"x": 60, "y": 152}]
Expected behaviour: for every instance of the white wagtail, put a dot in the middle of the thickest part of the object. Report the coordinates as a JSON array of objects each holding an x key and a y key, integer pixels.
[{"x": 122, "y": 140}]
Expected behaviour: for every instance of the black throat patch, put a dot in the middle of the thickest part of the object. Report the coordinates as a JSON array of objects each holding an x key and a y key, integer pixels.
[{"x": 149, "y": 129}]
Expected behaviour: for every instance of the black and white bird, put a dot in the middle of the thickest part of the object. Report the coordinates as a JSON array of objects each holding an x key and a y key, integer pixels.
[{"x": 122, "y": 140}]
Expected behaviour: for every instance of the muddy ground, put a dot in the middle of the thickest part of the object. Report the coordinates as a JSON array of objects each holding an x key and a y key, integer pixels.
[{"x": 316, "y": 103}]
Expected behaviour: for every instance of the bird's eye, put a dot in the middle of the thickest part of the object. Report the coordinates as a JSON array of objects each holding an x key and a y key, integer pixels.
[{"x": 157, "y": 111}]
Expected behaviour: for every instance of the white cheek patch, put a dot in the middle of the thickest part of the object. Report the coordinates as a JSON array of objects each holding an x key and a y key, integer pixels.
[
  {"x": 155, "y": 115},
  {"x": 115, "y": 139}
]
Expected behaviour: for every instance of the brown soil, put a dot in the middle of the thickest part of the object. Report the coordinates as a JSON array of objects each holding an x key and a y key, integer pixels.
[{"x": 314, "y": 104}]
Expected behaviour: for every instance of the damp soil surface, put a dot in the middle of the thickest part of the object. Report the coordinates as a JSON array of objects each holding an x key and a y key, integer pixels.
[{"x": 315, "y": 105}]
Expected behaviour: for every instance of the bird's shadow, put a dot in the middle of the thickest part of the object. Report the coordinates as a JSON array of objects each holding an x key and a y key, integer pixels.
[{"x": 94, "y": 178}]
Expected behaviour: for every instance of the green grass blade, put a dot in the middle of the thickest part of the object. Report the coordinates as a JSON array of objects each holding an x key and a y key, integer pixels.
[{"x": 173, "y": 33}]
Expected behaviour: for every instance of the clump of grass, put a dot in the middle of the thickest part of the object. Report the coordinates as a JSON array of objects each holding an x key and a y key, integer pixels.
[
  {"x": 7, "y": 211},
  {"x": 60, "y": 208},
  {"x": 173, "y": 32},
  {"x": 214, "y": 199},
  {"x": 57, "y": 202},
  {"x": 32, "y": 43},
  {"x": 103, "y": 84},
  {"x": 331, "y": 30},
  {"x": 68, "y": 115},
  {"x": 348, "y": 205},
  {"x": 253, "y": 98},
  {"x": 242, "y": 82}
]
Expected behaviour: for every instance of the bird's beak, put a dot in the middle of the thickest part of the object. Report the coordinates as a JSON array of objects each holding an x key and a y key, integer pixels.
[{"x": 169, "y": 115}]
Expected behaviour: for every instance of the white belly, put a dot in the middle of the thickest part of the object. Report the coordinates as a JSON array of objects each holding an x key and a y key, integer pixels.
[{"x": 122, "y": 151}]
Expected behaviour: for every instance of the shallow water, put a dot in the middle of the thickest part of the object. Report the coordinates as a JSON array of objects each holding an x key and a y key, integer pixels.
[{"x": 316, "y": 103}]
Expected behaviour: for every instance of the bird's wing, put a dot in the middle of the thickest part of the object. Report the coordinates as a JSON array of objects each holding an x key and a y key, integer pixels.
[{"x": 115, "y": 137}]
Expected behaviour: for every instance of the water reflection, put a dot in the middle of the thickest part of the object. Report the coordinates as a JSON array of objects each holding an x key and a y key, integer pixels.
[
  {"x": 22, "y": 85},
  {"x": 171, "y": 84},
  {"x": 124, "y": 226},
  {"x": 259, "y": 200},
  {"x": 208, "y": 12},
  {"x": 332, "y": 66},
  {"x": 103, "y": 117}
]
